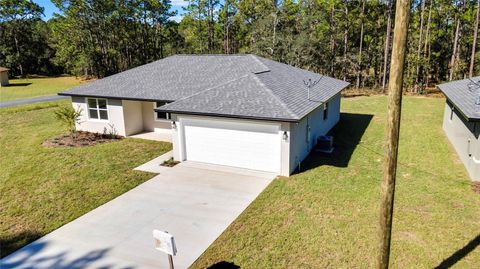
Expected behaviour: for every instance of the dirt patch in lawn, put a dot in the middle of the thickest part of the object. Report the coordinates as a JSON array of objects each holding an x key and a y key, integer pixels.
[
  {"x": 352, "y": 92},
  {"x": 80, "y": 139},
  {"x": 476, "y": 187}
]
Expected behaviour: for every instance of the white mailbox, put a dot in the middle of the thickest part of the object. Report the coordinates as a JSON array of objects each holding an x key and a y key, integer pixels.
[{"x": 165, "y": 242}]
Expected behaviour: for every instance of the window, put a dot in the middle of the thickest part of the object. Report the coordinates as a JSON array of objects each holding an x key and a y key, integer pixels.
[
  {"x": 161, "y": 115},
  {"x": 325, "y": 111},
  {"x": 97, "y": 108},
  {"x": 451, "y": 113}
]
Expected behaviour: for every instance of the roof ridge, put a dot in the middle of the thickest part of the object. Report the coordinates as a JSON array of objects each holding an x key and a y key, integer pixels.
[
  {"x": 296, "y": 68},
  {"x": 276, "y": 97},
  {"x": 455, "y": 82},
  {"x": 121, "y": 73},
  {"x": 208, "y": 89},
  {"x": 212, "y": 54},
  {"x": 255, "y": 58}
]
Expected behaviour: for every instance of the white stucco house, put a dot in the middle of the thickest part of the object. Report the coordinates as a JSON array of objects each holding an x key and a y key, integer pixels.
[
  {"x": 461, "y": 121},
  {"x": 235, "y": 110}
]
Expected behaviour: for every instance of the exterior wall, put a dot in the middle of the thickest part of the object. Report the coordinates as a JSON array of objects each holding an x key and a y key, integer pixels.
[
  {"x": 132, "y": 114},
  {"x": 294, "y": 149},
  {"x": 115, "y": 117},
  {"x": 127, "y": 117},
  {"x": 464, "y": 136},
  {"x": 178, "y": 138},
  {"x": 3, "y": 78},
  {"x": 150, "y": 123},
  {"x": 301, "y": 145}
]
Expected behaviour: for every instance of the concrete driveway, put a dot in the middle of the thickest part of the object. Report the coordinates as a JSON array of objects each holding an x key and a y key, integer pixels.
[{"x": 194, "y": 202}]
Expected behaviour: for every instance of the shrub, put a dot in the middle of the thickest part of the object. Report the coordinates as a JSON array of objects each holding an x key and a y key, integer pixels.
[
  {"x": 69, "y": 116},
  {"x": 170, "y": 162},
  {"x": 111, "y": 131}
]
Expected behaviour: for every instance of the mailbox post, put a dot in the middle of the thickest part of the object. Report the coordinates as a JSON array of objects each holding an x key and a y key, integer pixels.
[{"x": 165, "y": 243}]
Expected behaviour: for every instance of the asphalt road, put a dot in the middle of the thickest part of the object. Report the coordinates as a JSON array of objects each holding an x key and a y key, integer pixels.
[{"x": 33, "y": 100}]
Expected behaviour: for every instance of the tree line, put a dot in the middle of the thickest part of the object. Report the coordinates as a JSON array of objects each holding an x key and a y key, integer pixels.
[{"x": 347, "y": 39}]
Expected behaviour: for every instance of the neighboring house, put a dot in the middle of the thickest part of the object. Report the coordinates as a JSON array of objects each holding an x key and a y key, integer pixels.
[
  {"x": 3, "y": 76},
  {"x": 461, "y": 121},
  {"x": 235, "y": 110}
]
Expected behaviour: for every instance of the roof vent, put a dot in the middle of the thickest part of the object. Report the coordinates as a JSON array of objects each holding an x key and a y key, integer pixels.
[{"x": 474, "y": 86}]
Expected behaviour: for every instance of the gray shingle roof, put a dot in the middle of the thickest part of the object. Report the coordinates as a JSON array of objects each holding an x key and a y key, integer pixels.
[
  {"x": 462, "y": 98},
  {"x": 245, "y": 97},
  {"x": 244, "y": 86}
]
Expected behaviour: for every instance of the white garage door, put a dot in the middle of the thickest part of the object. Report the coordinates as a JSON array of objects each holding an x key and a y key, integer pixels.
[{"x": 233, "y": 143}]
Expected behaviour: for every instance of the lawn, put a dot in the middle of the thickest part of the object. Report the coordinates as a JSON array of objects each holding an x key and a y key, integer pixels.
[
  {"x": 32, "y": 87},
  {"x": 327, "y": 215},
  {"x": 44, "y": 188}
]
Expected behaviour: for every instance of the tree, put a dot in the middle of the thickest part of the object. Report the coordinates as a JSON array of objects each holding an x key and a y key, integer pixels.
[
  {"x": 23, "y": 45},
  {"x": 360, "y": 46},
  {"x": 419, "y": 48},
  {"x": 474, "y": 43},
  {"x": 386, "y": 49},
  {"x": 346, "y": 39},
  {"x": 100, "y": 38},
  {"x": 456, "y": 42},
  {"x": 345, "y": 45},
  {"x": 426, "y": 47},
  {"x": 226, "y": 27},
  {"x": 210, "y": 16}
]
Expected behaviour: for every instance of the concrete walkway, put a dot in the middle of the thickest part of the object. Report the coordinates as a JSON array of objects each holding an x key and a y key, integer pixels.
[
  {"x": 165, "y": 137},
  {"x": 154, "y": 166},
  {"x": 33, "y": 100},
  {"x": 192, "y": 201}
]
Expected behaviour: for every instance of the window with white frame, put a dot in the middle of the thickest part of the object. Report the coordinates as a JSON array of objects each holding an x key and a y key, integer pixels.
[
  {"x": 161, "y": 115},
  {"x": 97, "y": 108}
]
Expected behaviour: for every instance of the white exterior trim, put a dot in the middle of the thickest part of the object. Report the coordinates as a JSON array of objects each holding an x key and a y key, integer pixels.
[
  {"x": 197, "y": 132},
  {"x": 115, "y": 117},
  {"x": 155, "y": 118},
  {"x": 98, "y": 109},
  {"x": 131, "y": 117},
  {"x": 465, "y": 139}
]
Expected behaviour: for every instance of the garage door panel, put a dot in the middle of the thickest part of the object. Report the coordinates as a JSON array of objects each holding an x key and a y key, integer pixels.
[
  {"x": 241, "y": 145},
  {"x": 233, "y": 125}
]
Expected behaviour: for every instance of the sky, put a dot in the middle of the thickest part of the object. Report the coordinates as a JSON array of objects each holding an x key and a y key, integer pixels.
[{"x": 50, "y": 8}]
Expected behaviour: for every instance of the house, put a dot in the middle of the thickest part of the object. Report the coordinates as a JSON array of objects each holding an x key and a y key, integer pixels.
[
  {"x": 3, "y": 76},
  {"x": 461, "y": 121},
  {"x": 234, "y": 110}
]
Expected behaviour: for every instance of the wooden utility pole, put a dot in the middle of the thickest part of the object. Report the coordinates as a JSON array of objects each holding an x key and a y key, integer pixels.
[{"x": 395, "y": 86}]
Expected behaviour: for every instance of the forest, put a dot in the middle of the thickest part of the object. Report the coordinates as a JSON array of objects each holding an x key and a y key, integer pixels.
[{"x": 347, "y": 39}]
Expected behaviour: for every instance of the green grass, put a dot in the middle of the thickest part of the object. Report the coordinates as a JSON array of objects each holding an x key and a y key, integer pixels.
[
  {"x": 33, "y": 87},
  {"x": 327, "y": 215},
  {"x": 43, "y": 188}
]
